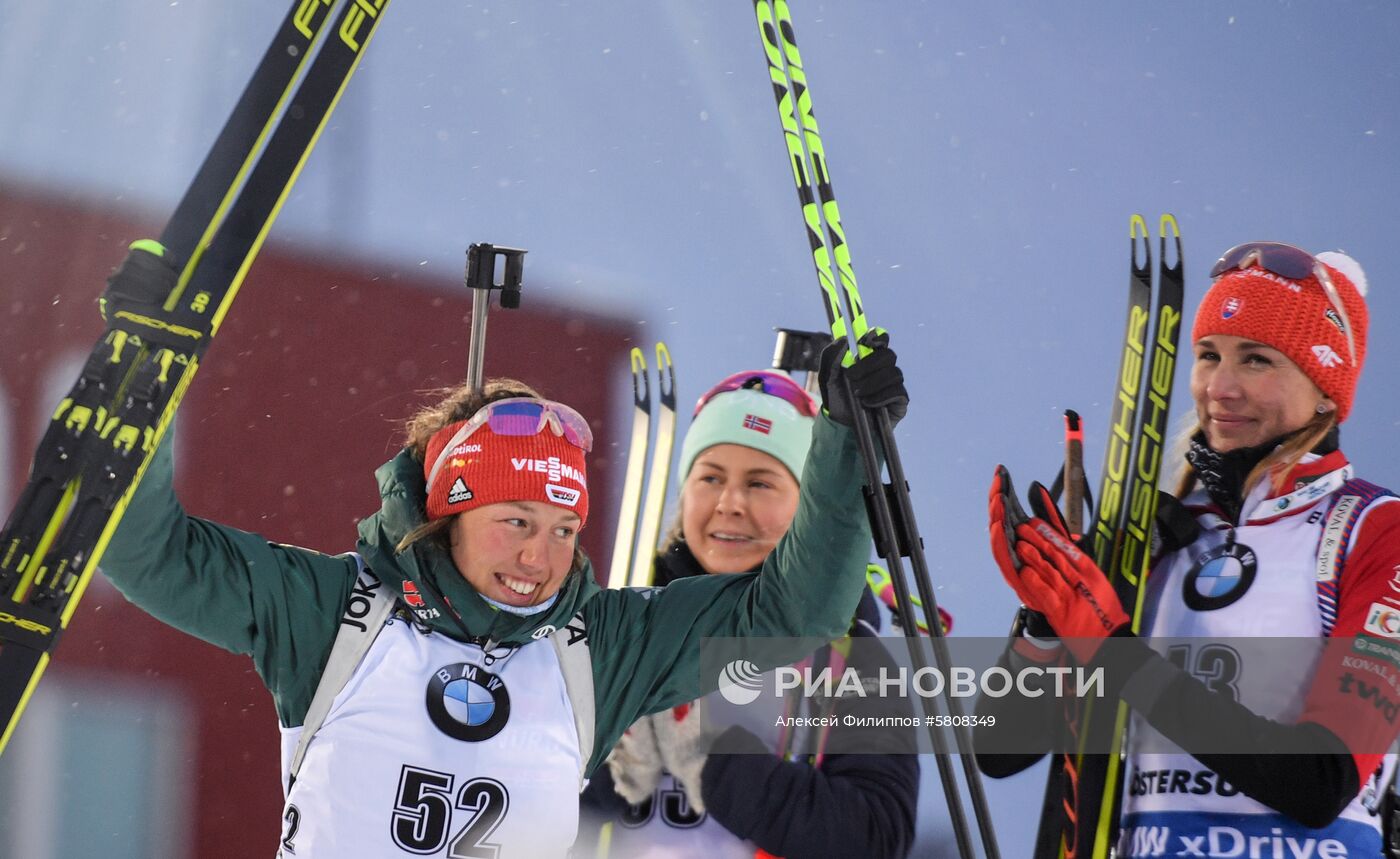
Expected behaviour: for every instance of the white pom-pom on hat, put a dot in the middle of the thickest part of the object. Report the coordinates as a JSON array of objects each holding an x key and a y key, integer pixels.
[{"x": 1347, "y": 266}]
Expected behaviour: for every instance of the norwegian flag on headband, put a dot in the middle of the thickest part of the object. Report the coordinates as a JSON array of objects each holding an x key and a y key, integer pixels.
[{"x": 758, "y": 424}]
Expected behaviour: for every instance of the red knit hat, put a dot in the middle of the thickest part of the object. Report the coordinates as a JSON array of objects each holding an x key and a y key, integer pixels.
[
  {"x": 1297, "y": 318},
  {"x": 487, "y": 468}
]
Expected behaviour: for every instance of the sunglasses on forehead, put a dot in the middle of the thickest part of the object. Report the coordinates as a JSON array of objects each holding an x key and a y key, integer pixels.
[
  {"x": 1289, "y": 262},
  {"x": 519, "y": 416},
  {"x": 765, "y": 381}
]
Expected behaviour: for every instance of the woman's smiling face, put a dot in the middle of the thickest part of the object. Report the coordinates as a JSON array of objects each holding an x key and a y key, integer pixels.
[
  {"x": 736, "y": 504},
  {"x": 515, "y": 552},
  {"x": 1247, "y": 393}
]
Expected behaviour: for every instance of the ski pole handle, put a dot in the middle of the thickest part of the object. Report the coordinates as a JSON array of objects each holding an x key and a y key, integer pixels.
[{"x": 480, "y": 279}]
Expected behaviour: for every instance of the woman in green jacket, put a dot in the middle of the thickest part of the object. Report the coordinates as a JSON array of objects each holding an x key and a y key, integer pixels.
[{"x": 468, "y": 713}]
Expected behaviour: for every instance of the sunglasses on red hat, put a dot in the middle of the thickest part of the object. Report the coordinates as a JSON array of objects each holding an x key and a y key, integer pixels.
[
  {"x": 769, "y": 382},
  {"x": 1292, "y": 263},
  {"x": 518, "y": 416}
]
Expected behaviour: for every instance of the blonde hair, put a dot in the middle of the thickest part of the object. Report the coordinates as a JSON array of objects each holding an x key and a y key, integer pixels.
[
  {"x": 456, "y": 404},
  {"x": 1276, "y": 466}
]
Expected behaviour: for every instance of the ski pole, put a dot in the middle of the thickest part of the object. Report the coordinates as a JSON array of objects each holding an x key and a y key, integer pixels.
[
  {"x": 1074, "y": 474},
  {"x": 895, "y": 538},
  {"x": 801, "y": 351},
  {"x": 808, "y": 159}
]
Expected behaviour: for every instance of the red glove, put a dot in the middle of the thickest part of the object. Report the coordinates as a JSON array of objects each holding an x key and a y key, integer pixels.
[{"x": 1048, "y": 572}]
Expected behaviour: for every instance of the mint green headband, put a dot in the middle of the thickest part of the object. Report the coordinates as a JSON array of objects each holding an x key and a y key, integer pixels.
[{"x": 751, "y": 419}]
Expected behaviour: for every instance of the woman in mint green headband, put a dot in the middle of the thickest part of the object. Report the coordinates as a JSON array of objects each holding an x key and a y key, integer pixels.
[
  {"x": 740, "y": 464},
  {"x": 663, "y": 791}
]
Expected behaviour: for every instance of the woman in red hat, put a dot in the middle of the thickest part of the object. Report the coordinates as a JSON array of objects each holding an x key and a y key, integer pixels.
[
  {"x": 1236, "y": 749},
  {"x": 446, "y": 688}
]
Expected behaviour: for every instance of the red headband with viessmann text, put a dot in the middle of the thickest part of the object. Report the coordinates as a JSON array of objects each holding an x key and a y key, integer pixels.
[{"x": 487, "y": 468}]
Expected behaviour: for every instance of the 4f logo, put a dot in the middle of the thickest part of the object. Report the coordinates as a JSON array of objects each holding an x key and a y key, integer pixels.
[{"x": 1327, "y": 357}]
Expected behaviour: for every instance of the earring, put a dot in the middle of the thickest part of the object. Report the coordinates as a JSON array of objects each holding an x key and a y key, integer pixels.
[{"x": 1322, "y": 408}]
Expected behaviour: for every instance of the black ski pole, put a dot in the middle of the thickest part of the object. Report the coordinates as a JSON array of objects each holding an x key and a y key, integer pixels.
[{"x": 895, "y": 537}]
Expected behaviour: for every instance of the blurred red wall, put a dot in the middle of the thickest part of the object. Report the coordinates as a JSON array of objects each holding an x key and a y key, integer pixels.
[{"x": 299, "y": 399}]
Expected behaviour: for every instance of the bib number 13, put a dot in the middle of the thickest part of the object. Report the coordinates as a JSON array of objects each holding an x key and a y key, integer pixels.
[{"x": 422, "y": 818}]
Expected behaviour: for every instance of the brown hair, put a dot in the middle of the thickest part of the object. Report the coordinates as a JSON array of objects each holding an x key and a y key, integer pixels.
[
  {"x": 456, "y": 404},
  {"x": 675, "y": 534},
  {"x": 1276, "y": 465}
]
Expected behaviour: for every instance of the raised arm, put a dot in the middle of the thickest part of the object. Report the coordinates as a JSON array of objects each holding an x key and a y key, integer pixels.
[{"x": 278, "y": 604}]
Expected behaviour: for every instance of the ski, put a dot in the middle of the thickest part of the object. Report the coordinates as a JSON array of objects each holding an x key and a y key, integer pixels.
[
  {"x": 632, "y": 480},
  {"x": 1083, "y": 791},
  {"x": 891, "y": 509},
  {"x": 658, "y": 472},
  {"x": 649, "y": 469},
  {"x": 1061, "y": 823},
  {"x": 103, "y": 433}
]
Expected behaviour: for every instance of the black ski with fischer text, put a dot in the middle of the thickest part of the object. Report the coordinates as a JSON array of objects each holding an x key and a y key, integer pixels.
[
  {"x": 103, "y": 433},
  {"x": 1083, "y": 793}
]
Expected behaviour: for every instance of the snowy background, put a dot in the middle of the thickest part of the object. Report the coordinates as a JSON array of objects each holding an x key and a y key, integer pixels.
[{"x": 986, "y": 156}]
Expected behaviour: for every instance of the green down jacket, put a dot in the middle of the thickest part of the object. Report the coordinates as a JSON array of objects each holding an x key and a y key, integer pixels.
[{"x": 282, "y": 604}]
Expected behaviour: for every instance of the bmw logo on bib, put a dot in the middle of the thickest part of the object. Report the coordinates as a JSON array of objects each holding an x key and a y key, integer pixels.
[
  {"x": 1219, "y": 577},
  {"x": 468, "y": 702}
]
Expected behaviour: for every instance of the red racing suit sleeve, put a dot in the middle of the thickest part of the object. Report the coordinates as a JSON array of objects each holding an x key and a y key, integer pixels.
[{"x": 1356, "y": 690}]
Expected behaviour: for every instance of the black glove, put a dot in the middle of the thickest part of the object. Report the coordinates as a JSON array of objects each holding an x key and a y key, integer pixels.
[
  {"x": 141, "y": 283},
  {"x": 875, "y": 380},
  {"x": 1035, "y": 625}
]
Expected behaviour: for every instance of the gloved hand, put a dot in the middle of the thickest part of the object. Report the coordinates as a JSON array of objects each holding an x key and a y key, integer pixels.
[
  {"x": 1048, "y": 572},
  {"x": 141, "y": 283},
  {"x": 635, "y": 762},
  {"x": 685, "y": 736},
  {"x": 876, "y": 380}
]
